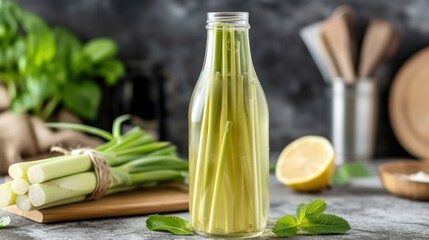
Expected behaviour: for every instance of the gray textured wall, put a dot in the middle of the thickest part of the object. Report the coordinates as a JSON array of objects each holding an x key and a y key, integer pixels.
[{"x": 173, "y": 33}]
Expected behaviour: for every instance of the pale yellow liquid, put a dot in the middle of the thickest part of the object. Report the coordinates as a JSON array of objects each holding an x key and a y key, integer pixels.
[{"x": 229, "y": 198}]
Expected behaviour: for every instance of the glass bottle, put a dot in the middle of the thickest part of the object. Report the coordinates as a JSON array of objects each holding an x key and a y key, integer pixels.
[{"x": 228, "y": 136}]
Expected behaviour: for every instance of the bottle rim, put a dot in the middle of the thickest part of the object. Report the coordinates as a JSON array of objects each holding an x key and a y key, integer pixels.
[{"x": 235, "y": 19}]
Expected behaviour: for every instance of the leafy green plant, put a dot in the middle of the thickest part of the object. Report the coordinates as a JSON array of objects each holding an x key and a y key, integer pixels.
[
  {"x": 349, "y": 171},
  {"x": 45, "y": 68},
  {"x": 310, "y": 218}
]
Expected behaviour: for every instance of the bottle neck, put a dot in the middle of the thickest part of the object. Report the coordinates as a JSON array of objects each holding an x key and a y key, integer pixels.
[
  {"x": 231, "y": 19},
  {"x": 228, "y": 48}
]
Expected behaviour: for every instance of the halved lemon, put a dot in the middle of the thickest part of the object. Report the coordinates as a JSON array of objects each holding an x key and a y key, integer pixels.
[{"x": 306, "y": 164}]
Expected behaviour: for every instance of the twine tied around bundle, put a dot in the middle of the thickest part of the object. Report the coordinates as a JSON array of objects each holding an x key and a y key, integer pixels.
[{"x": 103, "y": 173}]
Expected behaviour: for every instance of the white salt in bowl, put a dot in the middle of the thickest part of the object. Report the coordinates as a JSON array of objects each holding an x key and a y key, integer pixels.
[{"x": 393, "y": 177}]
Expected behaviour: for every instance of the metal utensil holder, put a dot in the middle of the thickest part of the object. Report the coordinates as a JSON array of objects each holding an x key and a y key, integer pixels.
[{"x": 354, "y": 119}]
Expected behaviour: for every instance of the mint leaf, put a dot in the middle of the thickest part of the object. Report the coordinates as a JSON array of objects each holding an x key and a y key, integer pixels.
[
  {"x": 312, "y": 209},
  {"x": 4, "y": 222},
  {"x": 324, "y": 224},
  {"x": 348, "y": 172},
  {"x": 298, "y": 210},
  {"x": 285, "y": 226},
  {"x": 171, "y": 224}
]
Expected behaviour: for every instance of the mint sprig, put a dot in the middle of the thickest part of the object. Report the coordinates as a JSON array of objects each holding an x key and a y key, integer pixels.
[
  {"x": 311, "y": 219},
  {"x": 4, "y": 222},
  {"x": 171, "y": 224}
]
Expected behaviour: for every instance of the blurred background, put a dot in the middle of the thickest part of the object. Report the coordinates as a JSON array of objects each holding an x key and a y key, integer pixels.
[{"x": 162, "y": 44}]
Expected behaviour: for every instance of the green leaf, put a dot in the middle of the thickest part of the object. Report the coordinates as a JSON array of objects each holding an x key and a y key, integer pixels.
[
  {"x": 67, "y": 43},
  {"x": 286, "y": 226},
  {"x": 117, "y": 124},
  {"x": 40, "y": 40},
  {"x": 4, "y": 222},
  {"x": 298, "y": 210},
  {"x": 324, "y": 224},
  {"x": 100, "y": 49},
  {"x": 171, "y": 224},
  {"x": 348, "y": 172},
  {"x": 312, "y": 209},
  {"x": 83, "y": 128},
  {"x": 111, "y": 70},
  {"x": 83, "y": 98}
]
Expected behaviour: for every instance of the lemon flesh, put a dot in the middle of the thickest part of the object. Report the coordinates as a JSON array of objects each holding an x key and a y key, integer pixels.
[{"x": 306, "y": 164}]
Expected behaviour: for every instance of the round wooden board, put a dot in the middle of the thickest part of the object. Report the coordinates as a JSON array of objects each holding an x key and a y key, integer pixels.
[{"x": 409, "y": 105}]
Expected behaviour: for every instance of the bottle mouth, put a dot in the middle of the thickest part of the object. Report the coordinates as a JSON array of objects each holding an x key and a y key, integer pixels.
[{"x": 235, "y": 19}]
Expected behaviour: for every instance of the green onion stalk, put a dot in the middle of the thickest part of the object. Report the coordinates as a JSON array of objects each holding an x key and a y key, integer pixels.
[
  {"x": 135, "y": 159},
  {"x": 228, "y": 146}
]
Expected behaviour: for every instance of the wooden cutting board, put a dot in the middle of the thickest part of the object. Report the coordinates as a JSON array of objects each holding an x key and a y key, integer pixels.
[{"x": 158, "y": 199}]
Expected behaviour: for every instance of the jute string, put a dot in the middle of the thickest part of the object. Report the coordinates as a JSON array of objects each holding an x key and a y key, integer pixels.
[{"x": 103, "y": 174}]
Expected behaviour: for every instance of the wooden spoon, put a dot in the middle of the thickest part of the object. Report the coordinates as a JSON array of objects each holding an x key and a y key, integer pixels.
[
  {"x": 350, "y": 16},
  {"x": 377, "y": 45},
  {"x": 337, "y": 37}
]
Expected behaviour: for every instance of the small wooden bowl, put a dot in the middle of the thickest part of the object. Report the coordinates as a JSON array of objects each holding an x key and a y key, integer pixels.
[{"x": 391, "y": 175}]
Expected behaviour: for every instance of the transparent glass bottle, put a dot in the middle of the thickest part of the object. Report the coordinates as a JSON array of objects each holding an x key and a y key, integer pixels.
[{"x": 228, "y": 136}]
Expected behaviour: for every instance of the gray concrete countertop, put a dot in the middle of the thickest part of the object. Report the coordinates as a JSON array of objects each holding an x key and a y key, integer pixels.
[{"x": 371, "y": 212}]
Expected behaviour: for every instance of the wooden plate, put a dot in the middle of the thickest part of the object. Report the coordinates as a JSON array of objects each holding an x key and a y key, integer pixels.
[{"x": 409, "y": 105}]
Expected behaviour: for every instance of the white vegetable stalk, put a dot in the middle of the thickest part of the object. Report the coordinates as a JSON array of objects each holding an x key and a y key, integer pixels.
[
  {"x": 20, "y": 186},
  {"x": 19, "y": 170},
  {"x": 67, "y": 165},
  {"x": 24, "y": 203},
  {"x": 7, "y": 196}
]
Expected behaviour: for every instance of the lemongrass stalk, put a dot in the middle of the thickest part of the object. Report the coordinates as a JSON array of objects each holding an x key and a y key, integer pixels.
[
  {"x": 83, "y": 128},
  {"x": 144, "y": 148},
  {"x": 212, "y": 140},
  {"x": 7, "y": 196},
  {"x": 68, "y": 165},
  {"x": 132, "y": 142},
  {"x": 84, "y": 184},
  {"x": 19, "y": 185},
  {"x": 62, "y": 188},
  {"x": 219, "y": 176},
  {"x": 23, "y": 201},
  {"x": 107, "y": 145},
  {"x": 157, "y": 175},
  {"x": 255, "y": 167},
  {"x": 132, "y": 138},
  {"x": 141, "y": 165},
  {"x": 19, "y": 170},
  {"x": 168, "y": 151},
  {"x": 117, "y": 124},
  {"x": 24, "y": 204},
  {"x": 198, "y": 186}
]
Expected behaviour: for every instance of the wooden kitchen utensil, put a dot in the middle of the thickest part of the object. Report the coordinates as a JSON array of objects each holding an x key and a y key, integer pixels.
[
  {"x": 392, "y": 177},
  {"x": 408, "y": 105},
  {"x": 376, "y": 46},
  {"x": 350, "y": 16},
  {"x": 336, "y": 33},
  {"x": 329, "y": 60},
  {"x": 158, "y": 199}
]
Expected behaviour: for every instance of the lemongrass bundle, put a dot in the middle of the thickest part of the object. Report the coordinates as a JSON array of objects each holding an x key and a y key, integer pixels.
[{"x": 133, "y": 159}]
